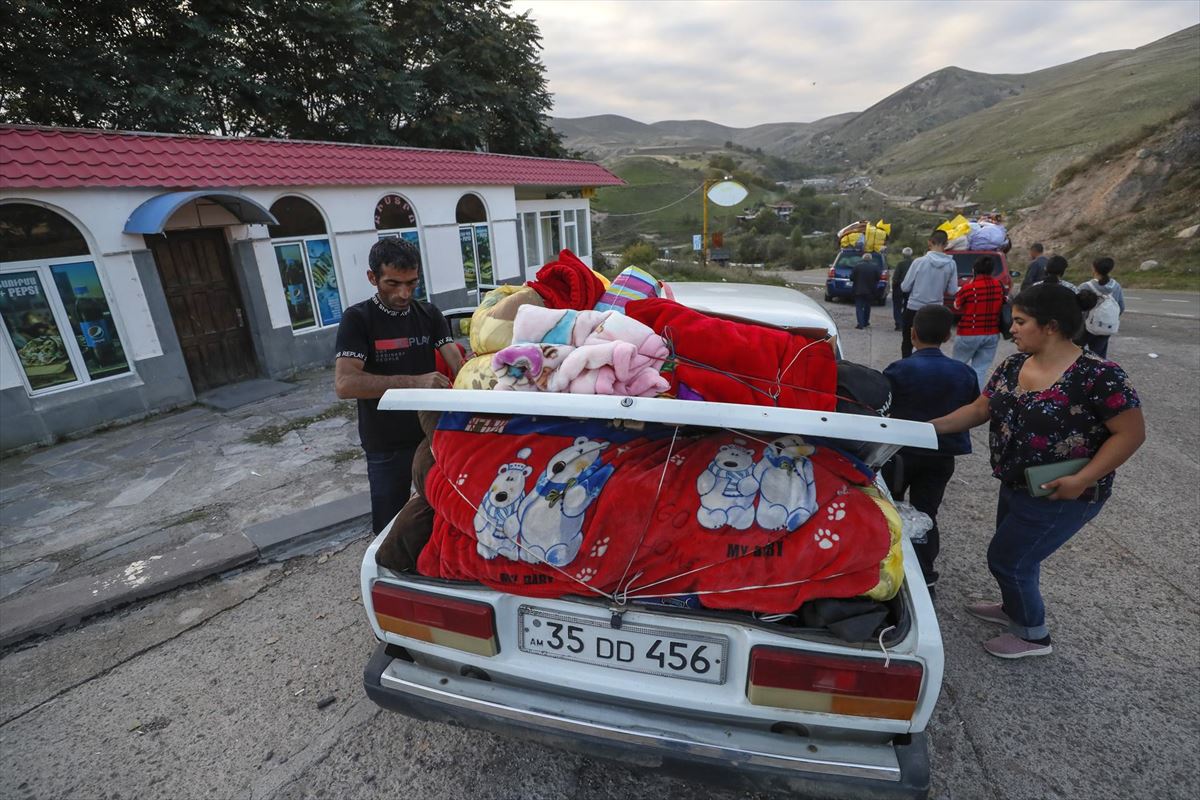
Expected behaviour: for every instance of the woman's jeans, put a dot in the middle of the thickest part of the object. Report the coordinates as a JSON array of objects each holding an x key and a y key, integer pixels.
[
  {"x": 977, "y": 352},
  {"x": 390, "y": 476},
  {"x": 1028, "y": 530}
]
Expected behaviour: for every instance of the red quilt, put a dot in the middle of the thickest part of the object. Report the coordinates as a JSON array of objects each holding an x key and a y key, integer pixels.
[
  {"x": 737, "y": 362},
  {"x": 745, "y": 524}
]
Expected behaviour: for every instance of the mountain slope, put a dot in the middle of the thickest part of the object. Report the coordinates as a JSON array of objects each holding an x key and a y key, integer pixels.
[
  {"x": 934, "y": 100},
  {"x": 610, "y": 136},
  {"x": 1009, "y": 152}
]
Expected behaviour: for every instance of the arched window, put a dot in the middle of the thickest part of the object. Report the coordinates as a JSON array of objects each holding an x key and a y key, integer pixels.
[
  {"x": 306, "y": 266},
  {"x": 475, "y": 238},
  {"x": 394, "y": 216},
  {"x": 56, "y": 314}
]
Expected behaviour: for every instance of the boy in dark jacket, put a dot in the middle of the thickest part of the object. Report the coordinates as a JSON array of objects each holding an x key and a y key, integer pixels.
[{"x": 925, "y": 386}]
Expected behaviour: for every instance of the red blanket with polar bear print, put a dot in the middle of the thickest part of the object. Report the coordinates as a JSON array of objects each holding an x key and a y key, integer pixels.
[{"x": 549, "y": 507}]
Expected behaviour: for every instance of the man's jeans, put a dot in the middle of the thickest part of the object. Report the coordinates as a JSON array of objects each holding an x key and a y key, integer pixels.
[
  {"x": 862, "y": 309},
  {"x": 906, "y": 323},
  {"x": 1097, "y": 344},
  {"x": 390, "y": 476},
  {"x": 1028, "y": 530},
  {"x": 899, "y": 298},
  {"x": 977, "y": 352}
]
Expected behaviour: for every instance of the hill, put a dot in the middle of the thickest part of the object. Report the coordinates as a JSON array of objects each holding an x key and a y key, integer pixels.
[
  {"x": 658, "y": 186},
  {"x": 1008, "y": 152},
  {"x": 940, "y": 97},
  {"x": 1129, "y": 202},
  {"x": 611, "y": 137},
  {"x": 999, "y": 139}
]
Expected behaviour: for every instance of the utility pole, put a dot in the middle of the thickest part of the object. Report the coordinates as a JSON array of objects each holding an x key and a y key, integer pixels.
[{"x": 704, "y": 227}]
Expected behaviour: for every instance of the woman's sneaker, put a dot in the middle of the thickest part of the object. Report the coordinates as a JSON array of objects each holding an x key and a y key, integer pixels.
[
  {"x": 1008, "y": 646},
  {"x": 991, "y": 612}
]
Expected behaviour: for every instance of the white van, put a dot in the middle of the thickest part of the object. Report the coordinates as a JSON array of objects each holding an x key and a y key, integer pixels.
[{"x": 713, "y": 696}]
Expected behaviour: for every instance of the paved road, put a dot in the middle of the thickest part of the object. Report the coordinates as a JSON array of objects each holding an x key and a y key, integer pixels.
[
  {"x": 213, "y": 691},
  {"x": 1182, "y": 305}
]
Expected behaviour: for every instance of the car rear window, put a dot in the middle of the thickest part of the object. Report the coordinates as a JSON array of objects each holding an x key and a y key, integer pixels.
[
  {"x": 850, "y": 260},
  {"x": 966, "y": 264}
]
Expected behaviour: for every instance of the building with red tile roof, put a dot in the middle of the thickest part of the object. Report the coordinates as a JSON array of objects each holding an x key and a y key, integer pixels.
[
  {"x": 65, "y": 158},
  {"x": 141, "y": 270}
]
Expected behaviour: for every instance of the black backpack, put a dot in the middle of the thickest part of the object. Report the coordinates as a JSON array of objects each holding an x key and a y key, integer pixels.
[{"x": 862, "y": 390}]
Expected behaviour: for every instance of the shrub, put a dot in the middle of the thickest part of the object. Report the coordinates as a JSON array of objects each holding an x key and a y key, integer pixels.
[{"x": 638, "y": 255}]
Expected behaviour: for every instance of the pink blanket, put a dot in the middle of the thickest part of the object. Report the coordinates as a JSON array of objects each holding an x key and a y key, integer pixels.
[{"x": 581, "y": 352}]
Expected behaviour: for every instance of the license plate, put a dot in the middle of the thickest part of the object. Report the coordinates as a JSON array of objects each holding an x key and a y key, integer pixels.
[{"x": 637, "y": 648}]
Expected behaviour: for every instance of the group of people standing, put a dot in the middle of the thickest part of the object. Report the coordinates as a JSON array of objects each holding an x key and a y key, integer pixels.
[{"x": 1062, "y": 417}]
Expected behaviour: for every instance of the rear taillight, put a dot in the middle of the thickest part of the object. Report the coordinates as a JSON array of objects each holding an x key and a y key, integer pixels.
[
  {"x": 448, "y": 621},
  {"x": 883, "y": 276},
  {"x": 831, "y": 273},
  {"x": 859, "y": 687}
]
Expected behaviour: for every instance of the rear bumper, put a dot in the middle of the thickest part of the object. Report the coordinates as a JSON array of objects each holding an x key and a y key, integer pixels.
[
  {"x": 697, "y": 751},
  {"x": 846, "y": 289}
]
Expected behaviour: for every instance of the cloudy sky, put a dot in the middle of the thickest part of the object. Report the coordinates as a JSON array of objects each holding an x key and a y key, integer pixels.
[{"x": 747, "y": 62}]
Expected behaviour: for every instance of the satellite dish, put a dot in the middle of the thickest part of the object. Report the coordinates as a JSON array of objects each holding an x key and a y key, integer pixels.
[{"x": 727, "y": 193}]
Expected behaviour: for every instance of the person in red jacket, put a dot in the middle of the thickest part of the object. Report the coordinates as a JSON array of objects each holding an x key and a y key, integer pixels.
[{"x": 978, "y": 304}]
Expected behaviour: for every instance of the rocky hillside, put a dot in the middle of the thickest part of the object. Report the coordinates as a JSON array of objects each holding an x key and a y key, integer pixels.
[{"x": 1130, "y": 201}]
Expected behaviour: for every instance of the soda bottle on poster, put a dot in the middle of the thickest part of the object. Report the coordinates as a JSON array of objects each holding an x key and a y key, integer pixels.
[
  {"x": 297, "y": 289},
  {"x": 95, "y": 327}
]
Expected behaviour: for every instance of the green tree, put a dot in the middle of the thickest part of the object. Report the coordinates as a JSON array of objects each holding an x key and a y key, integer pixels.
[
  {"x": 638, "y": 255},
  {"x": 722, "y": 162},
  {"x": 777, "y": 247},
  {"x": 438, "y": 73}
]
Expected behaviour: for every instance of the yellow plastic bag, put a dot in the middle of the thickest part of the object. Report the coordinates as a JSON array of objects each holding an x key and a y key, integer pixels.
[
  {"x": 476, "y": 374},
  {"x": 851, "y": 236},
  {"x": 876, "y": 236},
  {"x": 954, "y": 228},
  {"x": 891, "y": 569}
]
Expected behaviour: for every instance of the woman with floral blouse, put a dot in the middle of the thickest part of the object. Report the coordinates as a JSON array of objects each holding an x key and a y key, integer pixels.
[{"x": 1050, "y": 402}]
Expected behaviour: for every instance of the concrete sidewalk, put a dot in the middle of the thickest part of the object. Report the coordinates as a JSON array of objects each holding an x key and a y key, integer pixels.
[{"x": 94, "y": 523}]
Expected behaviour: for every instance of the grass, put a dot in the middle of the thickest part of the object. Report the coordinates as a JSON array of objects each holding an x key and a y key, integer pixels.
[
  {"x": 652, "y": 184},
  {"x": 1016, "y": 147},
  {"x": 190, "y": 517},
  {"x": 273, "y": 434},
  {"x": 343, "y": 456}
]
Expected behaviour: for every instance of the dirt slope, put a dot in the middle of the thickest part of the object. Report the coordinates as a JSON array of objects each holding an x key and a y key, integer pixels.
[{"x": 1128, "y": 203}]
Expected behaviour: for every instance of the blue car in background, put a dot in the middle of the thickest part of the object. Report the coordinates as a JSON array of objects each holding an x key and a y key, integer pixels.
[{"x": 839, "y": 284}]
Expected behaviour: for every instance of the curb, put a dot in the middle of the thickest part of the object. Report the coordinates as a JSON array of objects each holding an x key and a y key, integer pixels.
[{"x": 30, "y": 613}]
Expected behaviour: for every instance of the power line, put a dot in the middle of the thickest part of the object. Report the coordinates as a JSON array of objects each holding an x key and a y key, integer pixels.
[{"x": 660, "y": 208}]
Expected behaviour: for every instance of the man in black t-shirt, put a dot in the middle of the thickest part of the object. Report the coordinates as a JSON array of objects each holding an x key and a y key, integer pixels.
[{"x": 389, "y": 342}]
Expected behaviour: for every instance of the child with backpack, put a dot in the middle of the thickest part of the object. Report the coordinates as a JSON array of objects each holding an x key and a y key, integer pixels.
[{"x": 1105, "y": 319}]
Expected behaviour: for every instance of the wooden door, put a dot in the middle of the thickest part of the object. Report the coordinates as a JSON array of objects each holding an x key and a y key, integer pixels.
[{"x": 206, "y": 306}]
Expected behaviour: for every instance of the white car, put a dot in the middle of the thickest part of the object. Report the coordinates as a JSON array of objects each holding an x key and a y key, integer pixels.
[{"x": 709, "y": 695}]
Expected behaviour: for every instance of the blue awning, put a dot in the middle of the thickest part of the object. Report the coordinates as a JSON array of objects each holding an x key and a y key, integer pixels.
[{"x": 152, "y": 215}]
